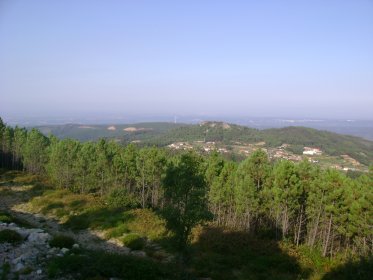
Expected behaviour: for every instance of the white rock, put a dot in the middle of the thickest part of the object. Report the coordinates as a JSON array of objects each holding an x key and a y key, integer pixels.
[
  {"x": 64, "y": 250},
  {"x": 76, "y": 246},
  {"x": 39, "y": 271},
  {"x": 17, "y": 260},
  {"x": 141, "y": 254},
  {"x": 19, "y": 266},
  {"x": 37, "y": 237}
]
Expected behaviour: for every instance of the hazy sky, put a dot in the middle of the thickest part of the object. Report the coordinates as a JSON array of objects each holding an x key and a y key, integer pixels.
[{"x": 248, "y": 58}]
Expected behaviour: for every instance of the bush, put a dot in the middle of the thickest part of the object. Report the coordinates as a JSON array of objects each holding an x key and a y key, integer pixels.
[
  {"x": 133, "y": 241},
  {"x": 118, "y": 231},
  {"x": 10, "y": 236},
  {"x": 120, "y": 198},
  {"x": 101, "y": 265},
  {"x": 62, "y": 241},
  {"x": 5, "y": 218}
]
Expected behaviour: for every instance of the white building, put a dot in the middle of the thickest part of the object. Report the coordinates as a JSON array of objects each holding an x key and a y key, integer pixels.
[{"x": 312, "y": 151}]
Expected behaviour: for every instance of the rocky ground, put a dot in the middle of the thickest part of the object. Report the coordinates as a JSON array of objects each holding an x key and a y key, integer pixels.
[{"x": 28, "y": 259}]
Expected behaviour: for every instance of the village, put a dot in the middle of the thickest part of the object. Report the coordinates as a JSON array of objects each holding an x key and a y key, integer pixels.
[{"x": 314, "y": 155}]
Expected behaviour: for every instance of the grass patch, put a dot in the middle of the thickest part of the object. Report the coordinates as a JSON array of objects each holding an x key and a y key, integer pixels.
[
  {"x": 82, "y": 211},
  {"x": 10, "y": 236},
  {"x": 62, "y": 241},
  {"x": 61, "y": 203},
  {"x": 117, "y": 222},
  {"x": 98, "y": 265},
  {"x": 133, "y": 241},
  {"x": 118, "y": 231}
]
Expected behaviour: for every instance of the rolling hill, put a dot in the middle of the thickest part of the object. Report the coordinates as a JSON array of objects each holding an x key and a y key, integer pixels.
[{"x": 162, "y": 134}]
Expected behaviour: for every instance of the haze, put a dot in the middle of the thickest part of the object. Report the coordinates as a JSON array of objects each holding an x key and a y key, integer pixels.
[{"x": 310, "y": 59}]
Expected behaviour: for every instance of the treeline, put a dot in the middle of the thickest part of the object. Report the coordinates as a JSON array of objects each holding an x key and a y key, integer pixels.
[{"x": 301, "y": 203}]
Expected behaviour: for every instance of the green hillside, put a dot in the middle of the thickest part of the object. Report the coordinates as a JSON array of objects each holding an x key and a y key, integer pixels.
[
  {"x": 332, "y": 143},
  {"x": 162, "y": 134},
  {"x": 298, "y": 137}
]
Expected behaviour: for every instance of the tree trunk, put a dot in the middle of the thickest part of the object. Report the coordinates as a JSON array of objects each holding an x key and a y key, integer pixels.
[{"x": 327, "y": 236}]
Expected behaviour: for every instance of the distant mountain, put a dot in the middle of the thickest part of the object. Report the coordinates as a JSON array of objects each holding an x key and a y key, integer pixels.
[{"x": 162, "y": 134}]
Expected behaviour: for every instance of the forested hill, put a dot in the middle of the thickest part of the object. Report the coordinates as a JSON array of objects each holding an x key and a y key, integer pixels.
[
  {"x": 298, "y": 137},
  {"x": 83, "y": 132},
  {"x": 162, "y": 134},
  {"x": 331, "y": 143}
]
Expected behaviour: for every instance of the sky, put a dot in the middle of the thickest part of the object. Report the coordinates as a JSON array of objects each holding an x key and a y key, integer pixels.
[{"x": 306, "y": 59}]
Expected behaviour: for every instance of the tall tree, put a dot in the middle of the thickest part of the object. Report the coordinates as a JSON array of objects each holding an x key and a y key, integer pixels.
[
  {"x": 185, "y": 192},
  {"x": 35, "y": 151}
]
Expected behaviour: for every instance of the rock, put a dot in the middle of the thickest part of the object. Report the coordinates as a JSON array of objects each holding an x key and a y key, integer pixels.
[
  {"x": 19, "y": 267},
  {"x": 37, "y": 230},
  {"x": 76, "y": 246},
  {"x": 140, "y": 254},
  {"x": 64, "y": 250},
  {"x": 39, "y": 271},
  {"x": 17, "y": 260},
  {"x": 38, "y": 237},
  {"x": 52, "y": 251}
]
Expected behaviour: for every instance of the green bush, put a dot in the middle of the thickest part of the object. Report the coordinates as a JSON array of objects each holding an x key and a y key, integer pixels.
[
  {"x": 118, "y": 231},
  {"x": 120, "y": 198},
  {"x": 133, "y": 241},
  {"x": 62, "y": 241},
  {"x": 5, "y": 218},
  {"x": 10, "y": 236}
]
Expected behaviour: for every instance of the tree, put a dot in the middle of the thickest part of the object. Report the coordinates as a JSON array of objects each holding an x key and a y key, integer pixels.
[
  {"x": 222, "y": 195},
  {"x": 285, "y": 192},
  {"x": 35, "y": 151},
  {"x": 185, "y": 192},
  {"x": 62, "y": 158}
]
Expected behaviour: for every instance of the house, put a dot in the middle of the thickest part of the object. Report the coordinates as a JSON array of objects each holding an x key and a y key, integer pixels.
[{"x": 312, "y": 151}]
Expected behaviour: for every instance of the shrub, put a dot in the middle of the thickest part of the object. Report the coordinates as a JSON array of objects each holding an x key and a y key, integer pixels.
[
  {"x": 10, "y": 236},
  {"x": 5, "y": 218},
  {"x": 118, "y": 231},
  {"x": 101, "y": 265},
  {"x": 62, "y": 241},
  {"x": 120, "y": 198},
  {"x": 133, "y": 241}
]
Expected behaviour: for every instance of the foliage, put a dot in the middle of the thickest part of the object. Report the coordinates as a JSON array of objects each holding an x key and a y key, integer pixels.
[
  {"x": 120, "y": 198},
  {"x": 186, "y": 195},
  {"x": 62, "y": 241},
  {"x": 354, "y": 269},
  {"x": 133, "y": 241},
  {"x": 320, "y": 214},
  {"x": 97, "y": 265},
  {"x": 5, "y": 217},
  {"x": 10, "y": 236}
]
